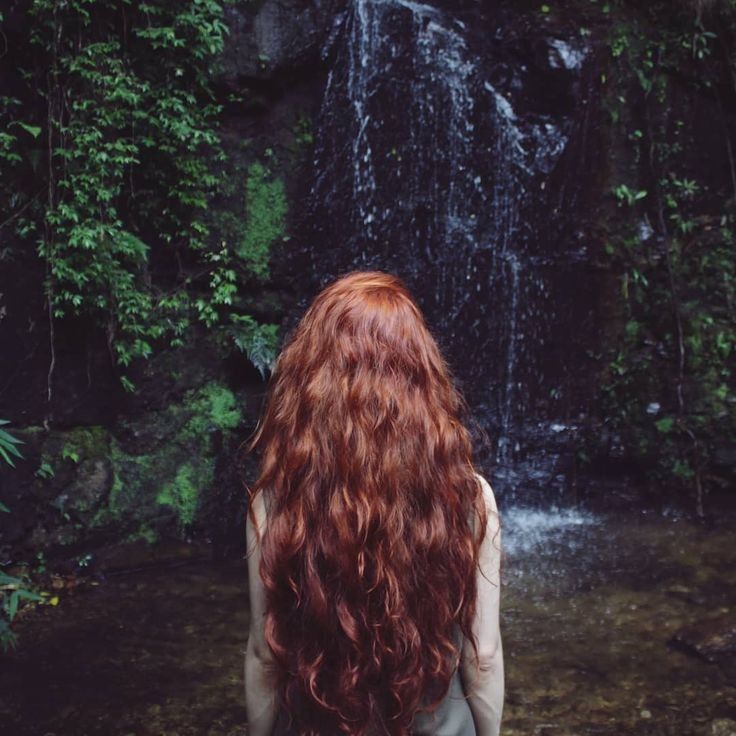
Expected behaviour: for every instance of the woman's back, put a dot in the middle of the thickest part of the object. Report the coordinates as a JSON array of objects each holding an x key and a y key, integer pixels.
[
  {"x": 452, "y": 717},
  {"x": 369, "y": 555}
]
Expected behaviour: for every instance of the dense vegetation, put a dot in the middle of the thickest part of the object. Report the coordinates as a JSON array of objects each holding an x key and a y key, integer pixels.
[
  {"x": 116, "y": 181},
  {"x": 114, "y": 172},
  {"x": 671, "y": 98}
]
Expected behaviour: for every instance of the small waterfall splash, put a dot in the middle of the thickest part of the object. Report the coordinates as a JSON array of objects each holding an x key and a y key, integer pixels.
[{"x": 424, "y": 166}]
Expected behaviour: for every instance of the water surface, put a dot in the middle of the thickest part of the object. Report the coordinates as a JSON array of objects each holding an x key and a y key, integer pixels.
[{"x": 590, "y": 601}]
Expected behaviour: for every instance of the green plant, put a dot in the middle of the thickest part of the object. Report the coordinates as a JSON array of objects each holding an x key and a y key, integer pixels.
[
  {"x": 40, "y": 566},
  {"x": 266, "y": 208},
  {"x": 14, "y": 591},
  {"x": 68, "y": 453},
  {"x": 45, "y": 470},
  {"x": 259, "y": 343},
  {"x": 626, "y": 196},
  {"x": 8, "y": 444},
  {"x": 113, "y": 166},
  {"x": 669, "y": 389},
  {"x": 302, "y": 131}
]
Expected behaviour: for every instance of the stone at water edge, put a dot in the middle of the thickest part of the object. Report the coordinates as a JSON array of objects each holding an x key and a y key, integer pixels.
[
  {"x": 713, "y": 639},
  {"x": 722, "y": 727}
]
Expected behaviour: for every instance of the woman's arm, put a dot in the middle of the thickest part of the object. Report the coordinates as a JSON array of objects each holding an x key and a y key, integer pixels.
[
  {"x": 260, "y": 696},
  {"x": 484, "y": 684}
]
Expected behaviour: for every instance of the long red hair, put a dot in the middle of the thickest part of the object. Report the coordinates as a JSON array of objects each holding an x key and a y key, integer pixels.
[{"x": 370, "y": 552}]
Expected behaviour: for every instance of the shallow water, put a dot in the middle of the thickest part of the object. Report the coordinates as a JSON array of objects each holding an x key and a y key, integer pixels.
[
  {"x": 589, "y": 604},
  {"x": 588, "y": 611}
]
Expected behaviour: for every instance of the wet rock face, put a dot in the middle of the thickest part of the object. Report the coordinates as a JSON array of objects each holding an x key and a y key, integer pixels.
[
  {"x": 455, "y": 149},
  {"x": 273, "y": 37},
  {"x": 169, "y": 468},
  {"x": 165, "y": 460}
]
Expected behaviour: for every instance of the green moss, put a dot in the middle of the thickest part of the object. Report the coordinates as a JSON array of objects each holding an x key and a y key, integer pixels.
[
  {"x": 83, "y": 443},
  {"x": 115, "y": 492},
  {"x": 171, "y": 479},
  {"x": 266, "y": 218},
  {"x": 144, "y": 532},
  {"x": 182, "y": 494},
  {"x": 222, "y": 406},
  {"x": 212, "y": 406},
  {"x": 130, "y": 474}
]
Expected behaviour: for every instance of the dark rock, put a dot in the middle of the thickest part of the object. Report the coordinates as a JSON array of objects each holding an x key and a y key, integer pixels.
[
  {"x": 140, "y": 553},
  {"x": 713, "y": 639},
  {"x": 722, "y": 727},
  {"x": 269, "y": 38}
]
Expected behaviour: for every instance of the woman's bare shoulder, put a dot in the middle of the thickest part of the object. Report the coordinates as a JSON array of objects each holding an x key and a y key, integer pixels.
[{"x": 488, "y": 494}]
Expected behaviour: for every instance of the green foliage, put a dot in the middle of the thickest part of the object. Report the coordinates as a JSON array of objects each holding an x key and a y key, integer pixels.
[
  {"x": 670, "y": 391},
  {"x": 182, "y": 493},
  {"x": 266, "y": 213},
  {"x": 212, "y": 407},
  {"x": 166, "y": 483},
  {"x": 144, "y": 532},
  {"x": 626, "y": 196},
  {"x": 113, "y": 164},
  {"x": 258, "y": 342},
  {"x": 8, "y": 445},
  {"x": 45, "y": 470},
  {"x": 303, "y": 134},
  {"x": 14, "y": 590}
]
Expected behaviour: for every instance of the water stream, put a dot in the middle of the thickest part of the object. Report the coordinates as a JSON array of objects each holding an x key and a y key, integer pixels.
[{"x": 436, "y": 159}]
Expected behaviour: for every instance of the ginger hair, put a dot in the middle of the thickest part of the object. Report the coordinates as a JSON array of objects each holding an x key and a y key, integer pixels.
[{"x": 375, "y": 514}]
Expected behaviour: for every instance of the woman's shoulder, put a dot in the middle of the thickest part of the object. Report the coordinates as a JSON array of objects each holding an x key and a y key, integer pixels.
[{"x": 488, "y": 494}]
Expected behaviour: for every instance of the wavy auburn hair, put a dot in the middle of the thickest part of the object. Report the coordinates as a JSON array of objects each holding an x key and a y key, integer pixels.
[{"x": 369, "y": 556}]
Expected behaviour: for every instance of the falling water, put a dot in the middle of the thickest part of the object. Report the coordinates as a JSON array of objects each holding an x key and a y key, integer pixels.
[{"x": 425, "y": 167}]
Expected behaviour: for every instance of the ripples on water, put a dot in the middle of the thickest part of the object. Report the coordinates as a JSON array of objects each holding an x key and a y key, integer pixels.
[
  {"x": 528, "y": 529},
  {"x": 589, "y": 604}
]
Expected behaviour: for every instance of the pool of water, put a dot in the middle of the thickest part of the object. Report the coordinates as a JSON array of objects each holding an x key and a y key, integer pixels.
[{"x": 590, "y": 601}]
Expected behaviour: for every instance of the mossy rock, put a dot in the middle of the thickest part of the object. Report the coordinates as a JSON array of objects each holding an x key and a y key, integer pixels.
[
  {"x": 161, "y": 478},
  {"x": 56, "y": 489}
]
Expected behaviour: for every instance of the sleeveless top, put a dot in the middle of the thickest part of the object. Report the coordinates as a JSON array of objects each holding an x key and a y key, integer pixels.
[{"x": 452, "y": 717}]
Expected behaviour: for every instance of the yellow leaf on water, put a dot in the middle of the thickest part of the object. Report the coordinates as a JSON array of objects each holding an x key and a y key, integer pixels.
[{"x": 54, "y": 601}]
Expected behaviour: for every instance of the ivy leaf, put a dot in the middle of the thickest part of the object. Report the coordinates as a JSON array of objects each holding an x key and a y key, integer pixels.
[
  {"x": 665, "y": 424},
  {"x": 34, "y": 130}
]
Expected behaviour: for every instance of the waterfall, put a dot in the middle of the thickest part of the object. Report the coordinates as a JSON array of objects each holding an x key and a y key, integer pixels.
[{"x": 424, "y": 167}]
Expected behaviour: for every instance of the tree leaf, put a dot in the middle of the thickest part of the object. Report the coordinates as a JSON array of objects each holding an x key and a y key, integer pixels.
[{"x": 34, "y": 130}]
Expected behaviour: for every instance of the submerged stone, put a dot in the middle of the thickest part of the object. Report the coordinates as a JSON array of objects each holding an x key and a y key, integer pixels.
[{"x": 712, "y": 639}]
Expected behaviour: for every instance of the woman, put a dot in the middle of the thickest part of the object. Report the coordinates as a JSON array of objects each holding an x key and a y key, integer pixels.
[{"x": 373, "y": 545}]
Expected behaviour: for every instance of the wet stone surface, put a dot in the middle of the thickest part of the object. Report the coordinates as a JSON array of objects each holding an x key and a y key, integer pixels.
[{"x": 590, "y": 603}]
